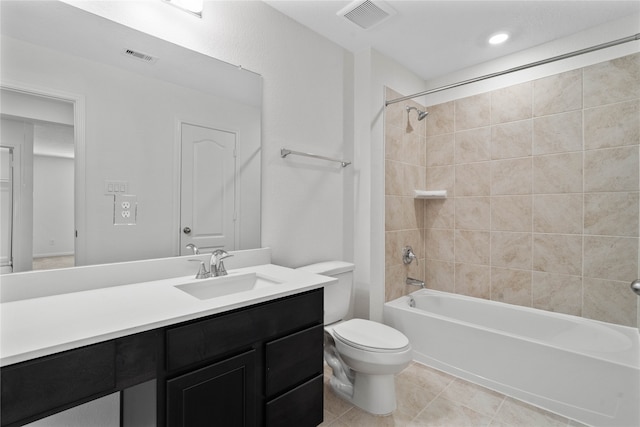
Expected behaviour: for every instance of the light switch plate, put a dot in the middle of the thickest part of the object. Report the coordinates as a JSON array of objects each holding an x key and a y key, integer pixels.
[{"x": 125, "y": 209}]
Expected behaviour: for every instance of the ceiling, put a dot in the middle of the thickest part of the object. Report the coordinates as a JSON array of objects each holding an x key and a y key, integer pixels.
[{"x": 434, "y": 38}]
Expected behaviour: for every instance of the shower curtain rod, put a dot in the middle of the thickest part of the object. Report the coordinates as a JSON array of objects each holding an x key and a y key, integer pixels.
[{"x": 519, "y": 68}]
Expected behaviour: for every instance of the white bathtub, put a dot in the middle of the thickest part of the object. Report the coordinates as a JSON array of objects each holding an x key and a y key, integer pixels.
[{"x": 582, "y": 369}]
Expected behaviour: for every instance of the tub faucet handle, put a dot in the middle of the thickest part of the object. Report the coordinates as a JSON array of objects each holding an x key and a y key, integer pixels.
[{"x": 408, "y": 256}]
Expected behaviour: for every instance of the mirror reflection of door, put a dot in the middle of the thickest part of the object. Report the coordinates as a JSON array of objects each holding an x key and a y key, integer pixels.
[
  {"x": 40, "y": 130},
  {"x": 208, "y": 189},
  {"x": 6, "y": 208}
]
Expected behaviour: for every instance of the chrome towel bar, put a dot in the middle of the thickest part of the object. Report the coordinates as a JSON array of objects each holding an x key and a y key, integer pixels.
[{"x": 284, "y": 152}]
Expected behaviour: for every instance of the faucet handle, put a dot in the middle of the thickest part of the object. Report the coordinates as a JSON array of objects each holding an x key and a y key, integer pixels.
[
  {"x": 194, "y": 248},
  {"x": 221, "y": 254},
  {"x": 202, "y": 271},
  {"x": 408, "y": 256}
]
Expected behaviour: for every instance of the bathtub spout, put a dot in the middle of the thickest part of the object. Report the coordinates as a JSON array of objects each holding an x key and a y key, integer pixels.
[{"x": 414, "y": 282}]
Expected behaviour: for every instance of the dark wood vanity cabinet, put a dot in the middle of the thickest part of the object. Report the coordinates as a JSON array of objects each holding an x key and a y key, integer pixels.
[
  {"x": 258, "y": 365},
  {"x": 283, "y": 337}
]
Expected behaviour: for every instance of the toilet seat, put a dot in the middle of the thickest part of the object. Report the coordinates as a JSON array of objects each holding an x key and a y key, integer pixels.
[{"x": 370, "y": 336}]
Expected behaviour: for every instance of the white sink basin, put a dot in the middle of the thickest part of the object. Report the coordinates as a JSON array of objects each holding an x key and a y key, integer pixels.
[{"x": 225, "y": 285}]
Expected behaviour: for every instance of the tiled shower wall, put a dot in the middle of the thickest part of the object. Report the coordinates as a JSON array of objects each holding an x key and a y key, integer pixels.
[{"x": 543, "y": 193}]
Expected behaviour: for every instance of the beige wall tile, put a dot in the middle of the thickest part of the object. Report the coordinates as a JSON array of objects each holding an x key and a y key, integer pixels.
[
  {"x": 414, "y": 149},
  {"x": 441, "y": 178},
  {"x": 612, "y": 125},
  {"x": 440, "y": 119},
  {"x": 557, "y": 173},
  {"x": 557, "y": 253},
  {"x": 439, "y": 275},
  {"x": 612, "y": 81},
  {"x": 473, "y": 179},
  {"x": 609, "y": 301},
  {"x": 395, "y": 276},
  {"x": 511, "y": 213},
  {"x": 393, "y": 178},
  {"x": 511, "y": 250},
  {"x": 524, "y": 196},
  {"x": 511, "y": 286},
  {"x": 439, "y": 244},
  {"x": 415, "y": 178},
  {"x": 472, "y": 213},
  {"x": 440, "y": 150},
  {"x": 611, "y": 169},
  {"x": 439, "y": 213},
  {"x": 558, "y": 133},
  {"x": 473, "y": 145},
  {"x": 613, "y": 214},
  {"x": 393, "y": 213},
  {"x": 412, "y": 213},
  {"x": 473, "y": 111},
  {"x": 472, "y": 247},
  {"x": 393, "y": 143},
  {"x": 611, "y": 258},
  {"x": 557, "y": 93},
  {"x": 511, "y": 103},
  {"x": 557, "y": 292},
  {"x": 511, "y": 176},
  {"x": 473, "y": 280},
  {"x": 558, "y": 213},
  {"x": 511, "y": 140},
  {"x": 392, "y": 248}
]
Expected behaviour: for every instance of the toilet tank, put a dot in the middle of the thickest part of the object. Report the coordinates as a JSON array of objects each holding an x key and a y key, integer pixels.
[{"x": 337, "y": 297}]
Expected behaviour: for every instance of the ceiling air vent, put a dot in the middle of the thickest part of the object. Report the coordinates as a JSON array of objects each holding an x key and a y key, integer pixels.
[
  {"x": 139, "y": 55},
  {"x": 367, "y": 14}
]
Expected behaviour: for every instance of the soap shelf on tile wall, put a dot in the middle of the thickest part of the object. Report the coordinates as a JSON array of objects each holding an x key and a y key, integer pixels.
[{"x": 430, "y": 194}]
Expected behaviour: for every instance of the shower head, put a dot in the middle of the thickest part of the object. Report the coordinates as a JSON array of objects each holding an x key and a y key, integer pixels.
[{"x": 421, "y": 114}]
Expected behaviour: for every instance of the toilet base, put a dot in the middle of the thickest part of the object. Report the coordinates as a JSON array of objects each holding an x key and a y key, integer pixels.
[{"x": 375, "y": 394}]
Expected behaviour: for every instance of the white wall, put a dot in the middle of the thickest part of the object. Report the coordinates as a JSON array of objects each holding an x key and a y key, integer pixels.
[
  {"x": 303, "y": 209},
  {"x": 307, "y": 80}
]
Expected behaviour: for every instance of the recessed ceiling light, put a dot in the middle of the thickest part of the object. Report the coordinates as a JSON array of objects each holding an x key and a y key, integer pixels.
[{"x": 498, "y": 38}]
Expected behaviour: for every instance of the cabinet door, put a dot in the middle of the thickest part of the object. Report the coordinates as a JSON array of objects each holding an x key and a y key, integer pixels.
[{"x": 220, "y": 394}]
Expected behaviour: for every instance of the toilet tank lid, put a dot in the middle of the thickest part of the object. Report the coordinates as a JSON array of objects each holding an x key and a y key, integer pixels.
[{"x": 329, "y": 267}]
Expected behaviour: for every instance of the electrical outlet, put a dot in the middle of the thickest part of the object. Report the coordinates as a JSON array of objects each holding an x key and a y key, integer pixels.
[{"x": 125, "y": 208}]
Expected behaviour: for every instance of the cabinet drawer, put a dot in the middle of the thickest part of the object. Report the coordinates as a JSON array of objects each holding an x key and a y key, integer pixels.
[
  {"x": 293, "y": 359},
  {"x": 301, "y": 407},
  {"x": 214, "y": 337},
  {"x": 43, "y": 385}
]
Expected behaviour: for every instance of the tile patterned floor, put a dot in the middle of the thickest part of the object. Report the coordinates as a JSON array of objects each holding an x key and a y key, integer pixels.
[{"x": 427, "y": 397}]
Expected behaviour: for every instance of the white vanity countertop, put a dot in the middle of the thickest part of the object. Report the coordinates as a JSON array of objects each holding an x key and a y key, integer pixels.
[{"x": 36, "y": 327}]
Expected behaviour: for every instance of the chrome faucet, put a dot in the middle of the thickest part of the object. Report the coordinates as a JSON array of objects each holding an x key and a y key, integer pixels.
[
  {"x": 408, "y": 256},
  {"x": 216, "y": 264},
  {"x": 194, "y": 248},
  {"x": 414, "y": 282}
]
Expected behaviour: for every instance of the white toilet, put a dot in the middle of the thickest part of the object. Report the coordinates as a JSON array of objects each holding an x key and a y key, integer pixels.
[{"x": 363, "y": 354}]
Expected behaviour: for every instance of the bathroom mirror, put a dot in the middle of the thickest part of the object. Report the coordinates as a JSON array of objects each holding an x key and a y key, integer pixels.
[{"x": 146, "y": 117}]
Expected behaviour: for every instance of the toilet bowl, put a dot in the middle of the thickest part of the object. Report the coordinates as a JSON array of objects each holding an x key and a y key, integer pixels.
[
  {"x": 373, "y": 353},
  {"x": 364, "y": 355}
]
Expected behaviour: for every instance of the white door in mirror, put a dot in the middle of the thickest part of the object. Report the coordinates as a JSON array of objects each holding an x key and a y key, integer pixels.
[{"x": 207, "y": 189}]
